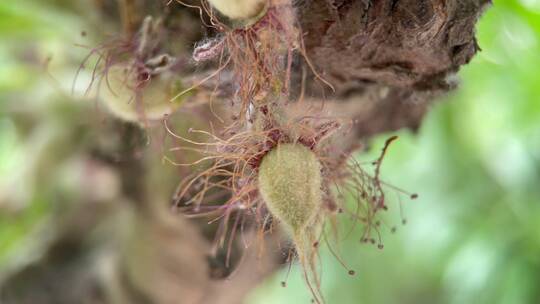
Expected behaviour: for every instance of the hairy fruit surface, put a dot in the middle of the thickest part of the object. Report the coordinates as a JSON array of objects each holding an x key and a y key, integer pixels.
[
  {"x": 290, "y": 184},
  {"x": 123, "y": 98},
  {"x": 239, "y": 9}
]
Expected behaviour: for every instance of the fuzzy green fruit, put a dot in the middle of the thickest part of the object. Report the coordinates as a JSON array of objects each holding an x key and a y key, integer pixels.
[
  {"x": 290, "y": 184},
  {"x": 239, "y": 9},
  {"x": 118, "y": 93}
]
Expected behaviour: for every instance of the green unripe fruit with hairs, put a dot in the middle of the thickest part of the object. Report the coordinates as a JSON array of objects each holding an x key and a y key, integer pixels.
[
  {"x": 118, "y": 93},
  {"x": 290, "y": 184},
  {"x": 239, "y": 9}
]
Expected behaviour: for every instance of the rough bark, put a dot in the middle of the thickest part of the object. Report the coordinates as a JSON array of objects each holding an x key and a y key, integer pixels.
[{"x": 402, "y": 54}]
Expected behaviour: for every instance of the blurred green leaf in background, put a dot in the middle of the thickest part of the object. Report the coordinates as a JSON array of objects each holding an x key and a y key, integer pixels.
[
  {"x": 38, "y": 60},
  {"x": 473, "y": 235}
]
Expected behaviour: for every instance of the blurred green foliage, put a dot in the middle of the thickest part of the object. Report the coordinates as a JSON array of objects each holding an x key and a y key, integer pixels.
[
  {"x": 34, "y": 110},
  {"x": 473, "y": 236}
]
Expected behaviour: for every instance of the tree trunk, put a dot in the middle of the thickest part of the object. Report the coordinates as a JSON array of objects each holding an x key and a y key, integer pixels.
[{"x": 388, "y": 60}]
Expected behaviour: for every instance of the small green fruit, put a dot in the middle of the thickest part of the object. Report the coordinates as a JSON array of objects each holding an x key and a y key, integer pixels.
[
  {"x": 117, "y": 91},
  {"x": 290, "y": 184},
  {"x": 239, "y": 9}
]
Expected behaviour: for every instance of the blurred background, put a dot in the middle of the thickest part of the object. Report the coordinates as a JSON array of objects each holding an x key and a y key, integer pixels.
[{"x": 472, "y": 236}]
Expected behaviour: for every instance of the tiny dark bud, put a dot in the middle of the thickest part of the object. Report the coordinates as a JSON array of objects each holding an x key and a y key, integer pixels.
[
  {"x": 316, "y": 244},
  {"x": 393, "y": 230},
  {"x": 372, "y": 241},
  {"x": 83, "y": 33},
  {"x": 352, "y": 272},
  {"x": 414, "y": 196},
  {"x": 283, "y": 284},
  {"x": 380, "y": 246},
  {"x": 378, "y": 223},
  {"x": 404, "y": 221}
]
